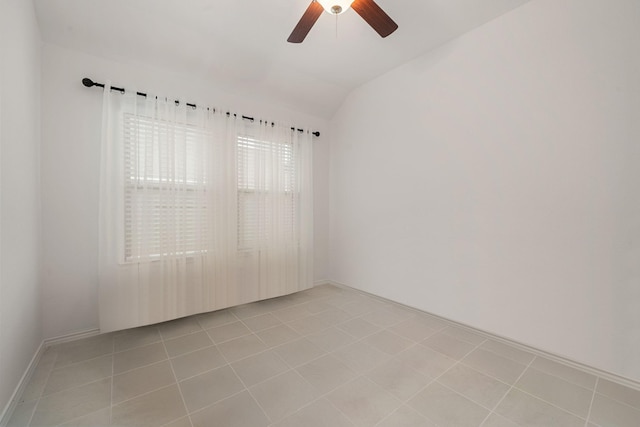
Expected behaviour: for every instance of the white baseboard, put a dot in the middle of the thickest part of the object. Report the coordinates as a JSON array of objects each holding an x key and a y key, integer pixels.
[
  {"x": 6, "y": 413},
  {"x": 71, "y": 337},
  {"x": 627, "y": 382}
]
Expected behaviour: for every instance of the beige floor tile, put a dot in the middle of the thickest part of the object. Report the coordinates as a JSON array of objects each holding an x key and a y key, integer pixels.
[
  {"x": 326, "y": 373},
  {"x": 216, "y": 318},
  {"x": 448, "y": 408},
  {"x": 210, "y": 387},
  {"x": 361, "y": 357},
  {"x": 334, "y": 316},
  {"x": 228, "y": 332},
  {"x": 358, "y": 307},
  {"x": 101, "y": 418},
  {"x": 496, "y": 420},
  {"x": 187, "y": 343},
  {"x": 262, "y": 322},
  {"x": 565, "y": 372},
  {"x": 136, "y": 337},
  {"x": 400, "y": 356},
  {"x": 179, "y": 327},
  {"x": 330, "y": 339},
  {"x": 464, "y": 335},
  {"x": 142, "y": 380},
  {"x": 242, "y": 347},
  {"x": 619, "y": 392},
  {"x": 299, "y": 352},
  {"x": 150, "y": 410},
  {"x": 22, "y": 414},
  {"x": 199, "y": 361},
  {"x": 426, "y": 361},
  {"x": 278, "y": 335},
  {"x": 510, "y": 352},
  {"x": 261, "y": 367},
  {"x": 290, "y": 314},
  {"x": 556, "y": 391},
  {"x": 473, "y": 385},
  {"x": 275, "y": 397},
  {"x": 399, "y": 379},
  {"x": 489, "y": 363},
  {"x": 388, "y": 342},
  {"x": 416, "y": 329},
  {"x": 79, "y": 374},
  {"x": 385, "y": 318},
  {"x": 358, "y": 328},
  {"x": 527, "y": 410},
  {"x": 406, "y": 417},
  {"x": 246, "y": 311},
  {"x": 320, "y": 413},
  {"x": 318, "y": 306},
  {"x": 69, "y": 404},
  {"x": 448, "y": 345},
  {"x": 364, "y": 402},
  {"x": 240, "y": 410},
  {"x": 309, "y": 325},
  {"x": 138, "y": 357},
  {"x": 607, "y": 412},
  {"x": 182, "y": 422},
  {"x": 84, "y": 349}
]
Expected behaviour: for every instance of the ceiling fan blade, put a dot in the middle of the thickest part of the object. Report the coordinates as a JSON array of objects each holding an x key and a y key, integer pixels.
[
  {"x": 375, "y": 16},
  {"x": 305, "y": 24}
]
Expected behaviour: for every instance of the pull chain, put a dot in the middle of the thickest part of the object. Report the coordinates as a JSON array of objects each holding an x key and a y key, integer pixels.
[{"x": 336, "y": 26}]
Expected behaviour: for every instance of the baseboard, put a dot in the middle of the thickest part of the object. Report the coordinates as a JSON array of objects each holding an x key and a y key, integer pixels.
[
  {"x": 26, "y": 377},
  {"x": 321, "y": 282},
  {"x": 71, "y": 337},
  {"x": 627, "y": 382},
  {"x": 22, "y": 384}
]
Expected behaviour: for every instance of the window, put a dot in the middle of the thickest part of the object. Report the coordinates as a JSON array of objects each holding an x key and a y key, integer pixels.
[
  {"x": 165, "y": 178},
  {"x": 267, "y": 192}
]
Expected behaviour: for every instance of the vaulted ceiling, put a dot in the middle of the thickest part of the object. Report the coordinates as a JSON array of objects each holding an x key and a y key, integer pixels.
[{"x": 243, "y": 42}]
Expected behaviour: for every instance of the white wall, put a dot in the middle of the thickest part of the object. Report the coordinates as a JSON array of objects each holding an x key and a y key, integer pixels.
[
  {"x": 496, "y": 181},
  {"x": 20, "y": 320},
  {"x": 70, "y": 171}
]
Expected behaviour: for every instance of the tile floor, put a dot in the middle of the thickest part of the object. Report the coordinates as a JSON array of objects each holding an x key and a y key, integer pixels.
[{"x": 325, "y": 357}]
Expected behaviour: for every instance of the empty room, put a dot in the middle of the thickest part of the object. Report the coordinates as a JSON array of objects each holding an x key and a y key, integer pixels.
[{"x": 320, "y": 213}]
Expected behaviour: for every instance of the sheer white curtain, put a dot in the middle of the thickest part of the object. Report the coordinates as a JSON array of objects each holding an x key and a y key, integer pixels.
[{"x": 198, "y": 211}]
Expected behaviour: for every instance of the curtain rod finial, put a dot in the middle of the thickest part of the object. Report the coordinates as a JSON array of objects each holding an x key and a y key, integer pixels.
[{"x": 88, "y": 82}]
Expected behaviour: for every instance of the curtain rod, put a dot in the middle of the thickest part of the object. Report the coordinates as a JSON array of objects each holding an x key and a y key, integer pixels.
[{"x": 90, "y": 83}]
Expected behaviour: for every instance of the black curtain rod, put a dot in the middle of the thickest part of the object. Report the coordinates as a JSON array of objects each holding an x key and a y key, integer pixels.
[{"x": 90, "y": 83}]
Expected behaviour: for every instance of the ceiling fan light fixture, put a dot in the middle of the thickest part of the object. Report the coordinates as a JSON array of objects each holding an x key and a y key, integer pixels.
[{"x": 335, "y": 7}]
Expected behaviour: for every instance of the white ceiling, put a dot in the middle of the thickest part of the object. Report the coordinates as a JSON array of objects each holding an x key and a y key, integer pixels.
[{"x": 243, "y": 42}]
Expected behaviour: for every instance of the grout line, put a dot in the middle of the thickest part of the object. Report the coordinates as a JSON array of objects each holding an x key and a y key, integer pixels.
[
  {"x": 251, "y": 394},
  {"x": 113, "y": 369},
  {"x": 549, "y": 403},
  {"x": 508, "y": 391},
  {"x": 593, "y": 398},
  {"x": 177, "y": 383},
  {"x": 435, "y": 379},
  {"x": 240, "y": 379}
]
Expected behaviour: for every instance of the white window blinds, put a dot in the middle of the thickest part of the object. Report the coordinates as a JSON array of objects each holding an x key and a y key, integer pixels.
[
  {"x": 267, "y": 192},
  {"x": 165, "y": 204}
]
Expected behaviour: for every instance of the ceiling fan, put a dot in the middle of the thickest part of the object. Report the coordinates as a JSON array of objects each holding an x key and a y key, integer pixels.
[{"x": 367, "y": 9}]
